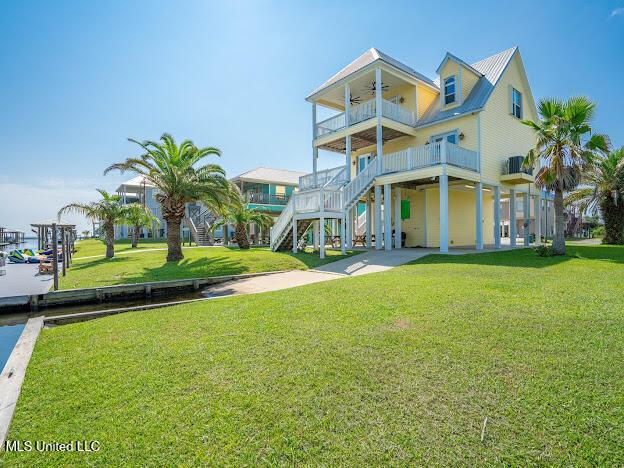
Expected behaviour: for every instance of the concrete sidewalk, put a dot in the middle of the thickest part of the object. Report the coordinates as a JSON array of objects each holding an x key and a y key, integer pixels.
[{"x": 371, "y": 261}]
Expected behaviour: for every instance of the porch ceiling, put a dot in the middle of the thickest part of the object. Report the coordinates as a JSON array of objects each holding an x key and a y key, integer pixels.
[{"x": 362, "y": 139}]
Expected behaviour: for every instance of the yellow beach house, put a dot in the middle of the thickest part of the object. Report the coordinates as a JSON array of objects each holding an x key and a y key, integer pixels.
[{"x": 427, "y": 161}]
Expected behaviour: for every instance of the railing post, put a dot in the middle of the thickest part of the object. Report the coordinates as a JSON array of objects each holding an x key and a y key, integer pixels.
[{"x": 443, "y": 151}]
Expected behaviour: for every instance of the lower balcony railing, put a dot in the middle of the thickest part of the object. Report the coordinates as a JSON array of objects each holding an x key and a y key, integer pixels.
[
  {"x": 364, "y": 111},
  {"x": 266, "y": 198},
  {"x": 418, "y": 157}
]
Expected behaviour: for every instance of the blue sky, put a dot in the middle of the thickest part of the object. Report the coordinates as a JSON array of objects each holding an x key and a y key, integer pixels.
[{"x": 78, "y": 78}]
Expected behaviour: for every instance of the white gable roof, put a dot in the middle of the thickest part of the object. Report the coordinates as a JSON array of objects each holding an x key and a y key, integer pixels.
[{"x": 270, "y": 175}]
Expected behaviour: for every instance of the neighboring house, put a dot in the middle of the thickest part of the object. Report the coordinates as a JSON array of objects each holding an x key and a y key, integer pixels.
[
  {"x": 267, "y": 190},
  {"x": 137, "y": 190},
  {"x": 429, "y": 159}
]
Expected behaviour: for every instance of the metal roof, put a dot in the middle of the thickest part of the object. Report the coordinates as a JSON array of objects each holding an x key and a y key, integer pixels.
[
  {"x": 492, "y": 69},
  {"x": 368, "y": 57},
  {"x": 270, "y": 175}
]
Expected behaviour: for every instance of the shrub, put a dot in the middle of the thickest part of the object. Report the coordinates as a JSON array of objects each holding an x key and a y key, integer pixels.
[
  {"x": 544, "y": 251},
  {"x": 598, "y": 231}
]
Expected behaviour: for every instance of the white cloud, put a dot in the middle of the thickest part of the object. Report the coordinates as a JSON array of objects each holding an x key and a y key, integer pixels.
[
  {"x": 617, "y": 12},
  {"x": 26, "y": 202}
]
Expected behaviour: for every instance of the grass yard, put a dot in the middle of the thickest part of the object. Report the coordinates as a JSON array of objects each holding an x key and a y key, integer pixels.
[
  {"x": 141, "y": 266},
  {"x": 91, "y": 247},
  {"x": 400, "y": 368}
]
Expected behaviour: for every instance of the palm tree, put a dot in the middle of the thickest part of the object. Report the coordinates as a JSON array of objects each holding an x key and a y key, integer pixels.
[
  {"x": 139, "y": 216},
  {"x": 175, "y": 171},
  {"x": 242, "y": 216},
  {"x": 603, "y": 187},
  {"x": 562, "y": 152},
  {"x": 109, "y": 211},
  {"x": 85, "y": 233}
]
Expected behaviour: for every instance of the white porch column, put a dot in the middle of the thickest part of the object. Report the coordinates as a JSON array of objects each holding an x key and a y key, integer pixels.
[
  {"x": 479, "y": 215},
  {"x": 377, "y": 217},
  {"x": 378, "y": 108},
  {"x": 512, "y": 217},
  {"x": 342, "y": 236},
  {"x": 527, "y": 218},
  {"x": 387, "y": 217},
  {"x": 398, "y": 233},
  {"x": 497, "y": 218},
  {"x": 538, "y": 219},
  {"x": 294, "y": 235},
  {"x": 315, "y": 235},
  {"x": 321, "y": 235},
  {"x": 369, "y": 220},
  {"x": 347, "y": 106},
  {"x": 444, "y": 213},
  {"x": 314, "y": 148},
  {"x": 349, "y": 228}
]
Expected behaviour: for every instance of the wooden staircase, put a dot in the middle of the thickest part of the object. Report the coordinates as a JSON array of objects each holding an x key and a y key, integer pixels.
[{"x": 286, "y": 241}]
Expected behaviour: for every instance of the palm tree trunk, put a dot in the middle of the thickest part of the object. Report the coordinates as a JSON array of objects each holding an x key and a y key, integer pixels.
[
  {"x": 135, "y": 237},
  {"x": 241, "y": 236},
  {"x": 174, "y": 246},
  {"x": 109, "y": 239},
  {"x": 614, "y": 221},
  {"x": 558, "y": 245}
]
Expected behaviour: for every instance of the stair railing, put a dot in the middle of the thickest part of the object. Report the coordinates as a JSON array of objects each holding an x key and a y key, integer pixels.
[{"x": 282, "y": 222}]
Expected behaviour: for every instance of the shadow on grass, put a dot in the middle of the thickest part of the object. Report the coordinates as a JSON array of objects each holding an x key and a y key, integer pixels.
[{"x": 528, "y": 258}]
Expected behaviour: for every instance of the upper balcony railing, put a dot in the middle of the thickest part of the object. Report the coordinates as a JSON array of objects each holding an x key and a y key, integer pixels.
[
  {"x": 514, "y": 165},
  {"x": 364, "y": 111},
  {"x": 334, "y": 176},
  {"x": 266, "y": 198}
]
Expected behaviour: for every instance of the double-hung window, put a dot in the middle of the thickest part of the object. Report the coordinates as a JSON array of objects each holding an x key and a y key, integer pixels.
[
  {"x": 516, "y": 103},
  {"x": 449, "y": 90}
]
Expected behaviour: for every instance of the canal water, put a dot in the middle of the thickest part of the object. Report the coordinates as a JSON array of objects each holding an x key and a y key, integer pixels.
[{"x": 11, "y": 329}]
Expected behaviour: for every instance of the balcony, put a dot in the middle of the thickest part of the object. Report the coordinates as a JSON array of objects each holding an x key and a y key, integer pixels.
[
  {"x": 418, "y": 157},
  {"x": 266, "y": 198},
  {"x": 514, "y": 173},
  {"x": 364, "y": 111}
]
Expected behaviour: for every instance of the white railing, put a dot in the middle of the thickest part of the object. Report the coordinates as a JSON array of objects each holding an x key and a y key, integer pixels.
[
  {"x": 361, "y": 112},
  {"x": 282, "y": 222},
  {"x": 331, "y": 125},
  {"x": 364, "y": 111},
  {"x": 397, "y": 113},
  {"x": 324, "y": 177},
  {"x": 418, "y": 157},
  {"x": 339, "y": 179},
  {"x": 462, "y": 157},
  {"x": 332, "y": 200},
  {"x": 354, "y": 189},
  {"x": 411, "y": 158}
]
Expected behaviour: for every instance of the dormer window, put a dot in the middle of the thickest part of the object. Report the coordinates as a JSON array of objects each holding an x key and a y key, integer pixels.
[{"x": 449, "y": 90}]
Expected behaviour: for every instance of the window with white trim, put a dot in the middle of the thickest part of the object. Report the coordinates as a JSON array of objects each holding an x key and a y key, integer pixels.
[
  {"x": 451, "y": 137},
  {"x": 516, "y": 103},
  {"x": 449, "y": 90}
]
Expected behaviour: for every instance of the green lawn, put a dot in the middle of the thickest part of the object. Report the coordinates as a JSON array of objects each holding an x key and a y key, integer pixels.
[
  {"x": 90, "y": 247},
  {"x": 141, "y": 266},
  {"x": 399, "y": 368}
]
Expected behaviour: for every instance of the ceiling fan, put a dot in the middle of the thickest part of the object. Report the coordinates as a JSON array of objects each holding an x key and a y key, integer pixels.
[
  {"x": 354, "y": 99},
  {"x": 371, "y": 88}
]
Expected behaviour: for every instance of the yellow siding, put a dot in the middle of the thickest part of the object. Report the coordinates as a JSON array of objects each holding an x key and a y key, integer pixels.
[
  {"x": 407, "y": 92},
  {"x": 426, "y": 98},
  {"x": 502, "y": 134},
  {"x": 469, "y": 80},
  {"x": 466, "y": 125},
  {"x": 414, "y": 227},
  {"x": 462, "y": 217}
]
